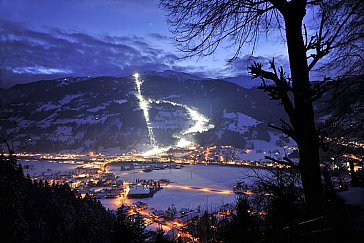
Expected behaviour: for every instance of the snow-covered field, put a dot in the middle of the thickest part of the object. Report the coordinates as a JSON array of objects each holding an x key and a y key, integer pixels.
[
  {"x": 239, "y": 122},
  {"x": 202, "y": 176},
  {"x": 44, "y": 167},
  {"x": 221, "y": 178}
]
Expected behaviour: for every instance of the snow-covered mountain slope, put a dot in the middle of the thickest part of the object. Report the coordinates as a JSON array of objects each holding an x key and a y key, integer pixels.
[{"x": 88, "y": 114}]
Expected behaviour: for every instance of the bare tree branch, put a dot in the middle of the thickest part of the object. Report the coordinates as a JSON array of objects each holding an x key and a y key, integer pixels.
[{"x": 286, "y": 162}]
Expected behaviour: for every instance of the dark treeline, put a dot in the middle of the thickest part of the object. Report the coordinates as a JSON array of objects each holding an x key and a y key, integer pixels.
[
  {"x": 277, "y": 213},
  {"x": 34, "y": 211}
]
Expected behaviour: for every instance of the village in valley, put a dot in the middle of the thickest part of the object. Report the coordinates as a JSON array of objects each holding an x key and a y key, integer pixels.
[
  {"x": 90, "y": 175},
  {"x": 123, "y": 180}
]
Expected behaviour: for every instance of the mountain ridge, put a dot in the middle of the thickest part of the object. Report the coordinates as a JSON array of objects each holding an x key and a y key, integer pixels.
[{"x": 96, "y": 113}]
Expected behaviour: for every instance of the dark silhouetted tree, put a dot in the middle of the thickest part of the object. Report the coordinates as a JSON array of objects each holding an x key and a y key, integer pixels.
[
  {"x": 204, "y": 227},
  {"x": 39, "y": 212},
  {"x": 129, "y": 229},
  {"x": 242, "y": 227},
  {"x": 200, "y": 26}
]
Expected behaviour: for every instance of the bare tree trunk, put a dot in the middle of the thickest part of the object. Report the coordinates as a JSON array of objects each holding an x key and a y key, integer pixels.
[{"x": 304, "y": 123}]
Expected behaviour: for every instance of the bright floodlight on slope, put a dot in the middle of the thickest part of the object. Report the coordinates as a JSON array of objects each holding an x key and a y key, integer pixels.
[{"x": 136, "y": 75}]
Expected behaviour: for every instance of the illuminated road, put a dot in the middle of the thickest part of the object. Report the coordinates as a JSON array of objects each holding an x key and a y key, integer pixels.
[
  {"x": 166, "y": 225},
  {"x": 201, "y": 189}
]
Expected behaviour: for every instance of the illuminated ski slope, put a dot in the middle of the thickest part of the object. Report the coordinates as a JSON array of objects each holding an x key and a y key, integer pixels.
[{"x": 202, "y": 123}]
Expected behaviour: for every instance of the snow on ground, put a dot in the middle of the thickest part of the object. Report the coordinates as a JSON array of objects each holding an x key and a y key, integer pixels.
[
  {"x": 170, "y": 97},
  {"x": 79, "y": 135},
  {"x": 97, "y": 108},
  {"x": 324, "y": 118},
  {"x": 204, "y": 176},
  {"x": 167, "y": 119},
  {"x": 64, "y": 130},
  {"x": 48, "y": 121},
  {"x": 271, "y": 145},
  {"x": 45, "y": 167},
  {"x": 69, "y": 98},
  {"x": 252, "y": 156},
  {"x": 24, "y": 123},
  {"x": 81, "y": 119},
  {"x": 47, "y": 106},
  {"x": 120, "y": 101},
  {"x": 265, "y": 148},
  {"x": 239, "y": 122},
  {"x": 156, "y": 226},
  {"x": 355, "y": 197}
]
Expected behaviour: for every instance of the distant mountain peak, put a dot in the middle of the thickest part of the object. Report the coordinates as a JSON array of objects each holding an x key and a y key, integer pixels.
[
  {"x": 244, "y": 81},
  {"x": 69, "y": 80},
  {"x": 180, "y": 76}
]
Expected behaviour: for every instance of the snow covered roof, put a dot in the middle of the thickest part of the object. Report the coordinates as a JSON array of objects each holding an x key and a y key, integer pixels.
[
  {"x": 158, "y": 212},
  {"x": 140, "y": 203},
  {"x": 138, "y": 190}
]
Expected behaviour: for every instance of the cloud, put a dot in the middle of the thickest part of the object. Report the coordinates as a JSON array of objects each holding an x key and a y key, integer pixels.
[
  {"x": 28, "y": 55},
  {"x": 160, "y": 37},
  {"x": 39, "y": 70},
  {"x": 54, "y": 53}
]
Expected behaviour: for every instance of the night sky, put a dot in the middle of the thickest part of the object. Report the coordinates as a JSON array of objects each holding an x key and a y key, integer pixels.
[{"x": 42, "y": 39}]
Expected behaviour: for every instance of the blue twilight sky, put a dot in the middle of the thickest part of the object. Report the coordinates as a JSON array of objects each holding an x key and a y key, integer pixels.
[{"x": 43, "y": 39}]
